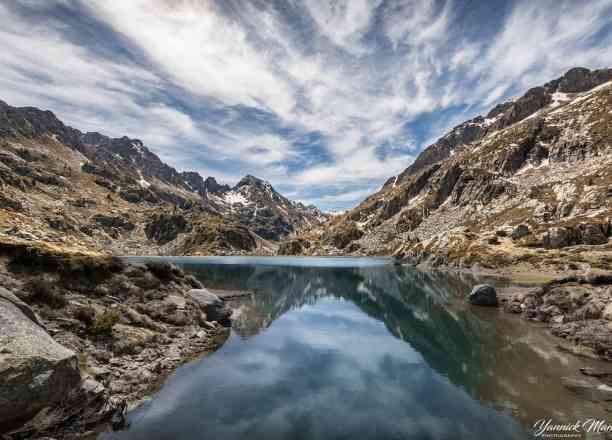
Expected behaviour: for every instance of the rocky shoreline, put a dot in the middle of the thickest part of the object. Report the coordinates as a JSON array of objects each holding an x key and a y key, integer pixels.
[
  {"x": 577, "y": 309},
  {"x": 87, "y": 337},
  {"x": 97, "y": 335}
]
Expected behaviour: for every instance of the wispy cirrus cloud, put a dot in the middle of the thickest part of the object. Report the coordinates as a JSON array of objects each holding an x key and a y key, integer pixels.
[{"x": 325, "y": 99}]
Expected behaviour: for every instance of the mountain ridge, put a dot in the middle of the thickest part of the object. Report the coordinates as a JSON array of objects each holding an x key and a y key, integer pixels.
[
  {"x": 575, "y": 80},
  {"x": 40, "y": 153},
  {"x": 527, "y": 188}
]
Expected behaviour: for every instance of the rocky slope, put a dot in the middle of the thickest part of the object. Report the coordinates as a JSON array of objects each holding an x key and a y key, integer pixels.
[
  {"x": 528, "y": 187},
  {"x": 93, "y": 192},
  {"x": 577, "y": 308},
  {"x": 82, "y": 336}
]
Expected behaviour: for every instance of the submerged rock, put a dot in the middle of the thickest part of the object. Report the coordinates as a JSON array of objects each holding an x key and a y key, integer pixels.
[
  {"x": 483, "y": 295},
  {"x": 589, "y": 389}
]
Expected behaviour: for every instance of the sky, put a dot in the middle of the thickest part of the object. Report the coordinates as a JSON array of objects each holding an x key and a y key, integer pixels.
[{"x": 324, "y": 99}]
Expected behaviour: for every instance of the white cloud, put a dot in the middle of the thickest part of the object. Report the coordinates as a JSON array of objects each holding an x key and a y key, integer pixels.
[
  {"x": 328, "y": 77},
  {"x": 416, "y": 22},
  {"x": 352, "y": 197},
  {"x": 202, "y": 50},
  {"x": 343, "y": 22},
  {"x": 39, "y": 67},
  {"x": 540, "y": 41}
]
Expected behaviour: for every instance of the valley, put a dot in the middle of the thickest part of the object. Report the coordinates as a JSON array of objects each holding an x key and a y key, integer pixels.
[
  {"x": 88, "y": 192},
  {"x": 522, "y": 194}
]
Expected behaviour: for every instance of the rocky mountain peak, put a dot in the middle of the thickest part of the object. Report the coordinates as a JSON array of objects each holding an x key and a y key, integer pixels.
[
  {"x": 553, "y": 93},
  {"x": 252, "y": 181},
  {"x": 94, "y": 138},
  {"x": 32, "y": 122},
  {"x": 123, "y": 170},
  {"x": 534, "y": 179},
  {"x": 498, "y": 109},
  {"x": 580, "y": 79},
  {"x": 212, "y": 186}
]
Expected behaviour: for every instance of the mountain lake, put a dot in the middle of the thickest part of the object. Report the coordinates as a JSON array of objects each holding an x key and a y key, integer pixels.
[{"x": 357, "y": 348}]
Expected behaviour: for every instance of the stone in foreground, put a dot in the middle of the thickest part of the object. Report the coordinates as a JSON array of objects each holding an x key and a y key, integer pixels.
[
  {"x": 213, "y": 306},
  {"x": 483, "y": 295},
  {"x": 35, "y": 371}
]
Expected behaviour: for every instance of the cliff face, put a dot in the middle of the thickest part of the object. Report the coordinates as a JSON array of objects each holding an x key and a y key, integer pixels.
[
  {"x": 529, "y": 184},
  {"x": 93, "y": 192}
]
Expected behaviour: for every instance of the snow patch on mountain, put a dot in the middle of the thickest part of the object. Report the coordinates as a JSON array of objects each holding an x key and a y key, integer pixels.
[
  {"x": 142, "y": 182},
  {"x": 235, "y": 197}
]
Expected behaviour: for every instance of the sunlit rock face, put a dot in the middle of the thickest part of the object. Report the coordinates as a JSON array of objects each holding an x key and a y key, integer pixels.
[{"x": 543, "y": 161}]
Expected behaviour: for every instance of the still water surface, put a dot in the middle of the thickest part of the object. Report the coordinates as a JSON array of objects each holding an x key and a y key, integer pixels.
[{"x": 344, "y": 348}]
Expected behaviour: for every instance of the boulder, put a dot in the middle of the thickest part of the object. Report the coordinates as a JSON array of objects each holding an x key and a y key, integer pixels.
[
  {"x": 565, "y": 209},
  {"x": 60, "y": 223},
  {"x": 491, "y": 239},
  {"x": 138, "y": 195},
  {"x": 519, "y": 232},
  {"x": 502, "y": 232},
  {"x": 130, "y": 340},
  {"x": 591, "y": 337},
  {"x": 607, "y": 312},
  {"x": 35, "y": 371},
  {"x": 593, "y": 234},
  {"x": 558, "y": 237},
  {"x": 5, "y": 295},
  {"x": 483, "y": 295},
  {"x": 589, "y": 234},
  {"x": 176, "y": 301},
  {"x": 543, "y": 213},
  {"x": 213, "y": 306}
]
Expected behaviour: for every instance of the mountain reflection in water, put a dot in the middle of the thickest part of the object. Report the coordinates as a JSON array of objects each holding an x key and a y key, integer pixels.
[{"x": 360, "y": 352}]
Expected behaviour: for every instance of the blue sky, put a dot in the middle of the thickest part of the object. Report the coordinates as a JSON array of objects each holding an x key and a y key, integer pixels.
[{"x": 325, "y": 99}]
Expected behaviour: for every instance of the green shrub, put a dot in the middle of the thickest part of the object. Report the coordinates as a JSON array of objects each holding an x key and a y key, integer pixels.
[
  {"x": 103, "y": 323},
  {"x": 147, "y": 281},
  {"x": 43, "y": 290},
  {"x": 86, "y": 315},
  {"x": 164, "y": 270}
]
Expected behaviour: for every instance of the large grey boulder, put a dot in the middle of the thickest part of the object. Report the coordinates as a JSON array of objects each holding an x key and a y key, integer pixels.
[
  {"x": 483, "y": 295},
  {"x": 8, "y": 296},
  {"x": 594, "y": 234},
  {"x": 212, "y": 305},
  {"x": 35, "y": 371},
  {"x": 557, "y": 238},
  {"x": 519, "y": 232}
]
